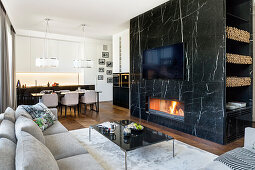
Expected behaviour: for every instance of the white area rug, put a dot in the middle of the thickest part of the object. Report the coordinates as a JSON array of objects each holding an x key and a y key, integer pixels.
[{"x": 154, "y": 157}]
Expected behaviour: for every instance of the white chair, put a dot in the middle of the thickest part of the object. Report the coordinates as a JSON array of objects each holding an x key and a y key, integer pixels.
[
  {"x": 70, "y": 99},
  {"x": 89, "y": 98},
  {"x": 64, "y": 91},
  {"x": 50, "y": 100}
]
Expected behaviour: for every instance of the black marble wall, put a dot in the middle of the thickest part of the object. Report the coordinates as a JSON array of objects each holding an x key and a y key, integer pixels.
[{"x": 200, "y": 25}]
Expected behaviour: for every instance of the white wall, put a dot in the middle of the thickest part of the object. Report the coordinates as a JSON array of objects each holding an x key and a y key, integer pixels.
[
  {"x": 123, "y": 65},
  {"x": 30, "y": 45},
  {"x": 42, "y": 79}
]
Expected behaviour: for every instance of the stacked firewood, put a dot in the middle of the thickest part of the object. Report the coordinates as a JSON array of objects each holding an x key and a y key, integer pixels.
[
  {"x": 238, "y": 59},
  {"x": 238, "y": 81},
  {"x": 237, "y": 34}
]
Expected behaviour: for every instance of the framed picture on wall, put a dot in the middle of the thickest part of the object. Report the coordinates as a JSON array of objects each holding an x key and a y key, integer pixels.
[
  {"x": 101, "y": 69},
  {"x": 105, "y": 54},
  {"x": 109, "y": 72},
  {"x": 101, "y": 61},
  {"x": 100, "y": 77},
  {"x": 109, "y": 64},
  {"x": 109, "y": 80}
]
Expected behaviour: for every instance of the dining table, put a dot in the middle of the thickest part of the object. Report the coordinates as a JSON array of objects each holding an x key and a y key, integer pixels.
[{"x": 38, "y": 96}]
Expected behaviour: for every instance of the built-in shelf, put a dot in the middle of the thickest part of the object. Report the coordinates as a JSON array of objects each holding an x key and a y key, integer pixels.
[
  {"x": 238, "y": 110},
  {"x": 235, "y": 17},
  {"x": 239, "y": 60}
]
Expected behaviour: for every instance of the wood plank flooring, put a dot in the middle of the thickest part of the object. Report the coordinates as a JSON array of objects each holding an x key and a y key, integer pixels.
[{"x": 109, "y": 112}]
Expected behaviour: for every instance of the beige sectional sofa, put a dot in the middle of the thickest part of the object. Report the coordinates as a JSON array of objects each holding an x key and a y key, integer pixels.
[{"x": 23, "y": 146}]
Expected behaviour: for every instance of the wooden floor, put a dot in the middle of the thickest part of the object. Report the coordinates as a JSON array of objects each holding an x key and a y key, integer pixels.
[{"x": 109, "y": 112}]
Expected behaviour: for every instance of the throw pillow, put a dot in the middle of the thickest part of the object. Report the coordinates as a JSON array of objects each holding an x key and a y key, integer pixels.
[
  {"x": 37, "y": 110},
  {"x": 44, "y": 121}
]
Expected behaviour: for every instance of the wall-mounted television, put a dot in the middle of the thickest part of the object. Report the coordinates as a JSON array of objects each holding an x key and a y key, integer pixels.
[{"x": 165, "y": 62}]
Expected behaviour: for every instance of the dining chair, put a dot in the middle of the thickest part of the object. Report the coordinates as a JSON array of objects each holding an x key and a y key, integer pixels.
[
  {"x": 70, "y": 99},
  {"x": 89, "y": 98},
  {"x": 64, "y": 91},
  {"x": 50, "y": 100},
  {"x": 46, "y": 91}
]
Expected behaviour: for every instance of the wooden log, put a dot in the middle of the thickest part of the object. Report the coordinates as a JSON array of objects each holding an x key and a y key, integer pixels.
[{"x": 238, "y": 59}]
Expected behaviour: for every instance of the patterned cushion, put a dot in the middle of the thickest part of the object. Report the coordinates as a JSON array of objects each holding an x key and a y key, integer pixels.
[
  {"x": 36, "y": 111},
  {"x": 44, "y": 121}
]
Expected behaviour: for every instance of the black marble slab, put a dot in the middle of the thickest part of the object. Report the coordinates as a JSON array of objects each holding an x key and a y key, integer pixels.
[{"x": 200, "y": 24}]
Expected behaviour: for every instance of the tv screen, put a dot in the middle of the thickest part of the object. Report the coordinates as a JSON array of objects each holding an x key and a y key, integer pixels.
[{"x": 165, "y": 62}]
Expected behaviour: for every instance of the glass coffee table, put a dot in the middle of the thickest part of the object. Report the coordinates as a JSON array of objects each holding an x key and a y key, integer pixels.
[{"x": 136, "y": 140}]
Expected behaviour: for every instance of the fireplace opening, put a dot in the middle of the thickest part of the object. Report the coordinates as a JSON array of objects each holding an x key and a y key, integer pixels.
[{"x": 171, "y": 108}]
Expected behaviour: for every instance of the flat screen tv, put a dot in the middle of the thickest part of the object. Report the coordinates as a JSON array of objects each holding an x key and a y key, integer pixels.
[{"x": 165, "y": 62}]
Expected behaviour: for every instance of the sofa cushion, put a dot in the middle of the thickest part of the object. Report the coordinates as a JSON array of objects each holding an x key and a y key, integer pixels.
[
  {"x": 7, "y": 130},
  {"x": 79, "y": 162},
  {"x": 32, "y": 154},
  {"x": 20, "y": 111},
  {"x": 9, "y": 114},
  {"x": 56, "y": 128},
  {"x": 29, "y": 126},
  {"x": 7, "y": 154},
  {"x": 63, "y": 145},
  {"x": 1, "y": 117}
]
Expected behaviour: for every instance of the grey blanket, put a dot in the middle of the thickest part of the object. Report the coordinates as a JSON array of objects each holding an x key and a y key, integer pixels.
[{"x": 238, "y": 159}]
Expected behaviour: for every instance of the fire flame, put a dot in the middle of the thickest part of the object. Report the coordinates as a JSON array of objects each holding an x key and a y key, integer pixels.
[{"x": 172, "y": 108}]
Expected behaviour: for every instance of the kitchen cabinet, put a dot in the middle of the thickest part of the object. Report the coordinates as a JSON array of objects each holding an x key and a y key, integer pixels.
[{"x": 22, "y": 52}]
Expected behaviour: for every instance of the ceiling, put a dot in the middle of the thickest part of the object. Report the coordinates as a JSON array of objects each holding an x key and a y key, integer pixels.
[{"x": 102, "y": 17}]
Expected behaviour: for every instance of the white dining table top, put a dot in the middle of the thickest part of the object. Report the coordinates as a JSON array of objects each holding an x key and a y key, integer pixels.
[{"x": 41, "y": 94}]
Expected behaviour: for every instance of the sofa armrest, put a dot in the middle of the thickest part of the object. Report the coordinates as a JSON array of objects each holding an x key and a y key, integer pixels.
[
  {"x": 249, "y": 139},
  {"x": 55, "y": 112}
]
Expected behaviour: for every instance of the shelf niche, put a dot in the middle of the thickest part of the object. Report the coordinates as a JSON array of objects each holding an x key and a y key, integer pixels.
[{"x": 239, "y": 52}]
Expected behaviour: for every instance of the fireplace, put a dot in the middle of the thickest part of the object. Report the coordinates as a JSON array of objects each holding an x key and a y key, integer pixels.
[{"x": 168, "y": 108}]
